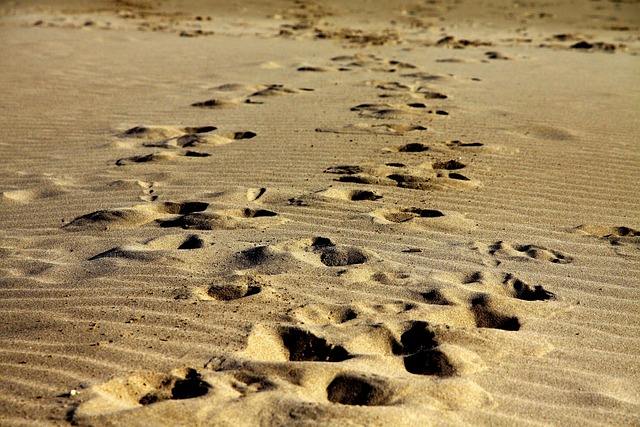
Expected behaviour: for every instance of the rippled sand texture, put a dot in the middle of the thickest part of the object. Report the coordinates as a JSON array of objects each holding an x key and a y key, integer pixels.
[{"x": 319, "y": 213}]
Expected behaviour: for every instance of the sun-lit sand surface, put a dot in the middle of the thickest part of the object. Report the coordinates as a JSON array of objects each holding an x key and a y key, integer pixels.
[{"x": 319, "y": 213}]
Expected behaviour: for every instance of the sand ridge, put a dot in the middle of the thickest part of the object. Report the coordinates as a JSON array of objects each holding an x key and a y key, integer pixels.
[{"x": 319, "y": 213}]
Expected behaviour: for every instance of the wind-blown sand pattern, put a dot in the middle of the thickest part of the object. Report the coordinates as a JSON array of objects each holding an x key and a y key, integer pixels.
[{"x": 319, "y": 213}]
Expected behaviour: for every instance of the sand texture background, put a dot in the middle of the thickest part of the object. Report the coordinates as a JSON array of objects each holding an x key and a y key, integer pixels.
[{"x": 239, "y": 213}]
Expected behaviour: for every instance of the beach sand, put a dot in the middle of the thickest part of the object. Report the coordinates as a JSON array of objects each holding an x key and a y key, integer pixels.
[{"x": 319, "y": 213}]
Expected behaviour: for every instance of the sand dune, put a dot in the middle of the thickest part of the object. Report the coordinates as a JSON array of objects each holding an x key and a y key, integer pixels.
[{"x": 319, "y": 213}]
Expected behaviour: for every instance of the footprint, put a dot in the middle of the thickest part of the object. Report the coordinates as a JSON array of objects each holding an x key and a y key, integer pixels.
[
  {"x": 28, "y": 195},
  {"x": 414, "y": 90},
  {"x": 535, "y": 252},
  {"x": 264, "y": 259},
  {"x": 134, "y": 216},
  {"x": 125, "y": 394},
  {"x": 487, "y": 316},
  {"x": 245, "y": 93},
  {"x": 253, "y": 194},
  {"x": 177, "y": 388},
  {"x": 449, "y": 165},
  {"x": 421, "y": 355},
  {"x": 192, "y": 242},
  {"x": 375, "y": 129},
  {"x": 422, "y": 177},
  {"x": 159, "y": 249},
  {"x": 606, "y": 232},
  {"x": 175, "y": 138},
  {"x": 287, "y": 256},
  {"x": 412, "y": 147},
  {"x": 215, "y": 103},
  {"x": 395, "y": 111},
  {"x": 358, "y": 389},
  {"x": 233, "y": 291},
  {"x": 158, "y": 157},
  {"x": 456, "y": 43},
  {"x": 104, "y": 219},
  {"x": 371, "y": 62},
  {"x": 351, "y": 195},
  {"x": 460, "y": 144},
  {"x": 225, "y": 220},
  {"x": 162, "y": 132},
  {"x": 497, "y": 55},
  {"x": 291, "y": 344},
  {"x": 625, "y": 241},
  {"x": 333, "y": 255},
  {"x": 509, "y": 285},
  {"x": 505, "y": 250},
  {"x": 324, "y": 314},
  {"x": 136, "y": 253},
  {"x": 406, "y": 214},
  {"x": 524, "y": 291},
  {"x": 194, "y": 140},
  {"x": 311, "y": 68}
]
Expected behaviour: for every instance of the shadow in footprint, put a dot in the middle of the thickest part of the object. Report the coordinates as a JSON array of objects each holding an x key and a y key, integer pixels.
[
  {"x": 449, "y": 165},
  {"x": 337, "y": 256},
  {"x": 232, "y": 292},
  {"x": 418, "y": 345},
  {"x": 525, "y": 291},
  {"x": 413, "y": 147},
  {"x": 435, "y": 297},
  {"x": 175, "y": 388},
  {"x": 486, "y": 317},
  {"x": 406, "y": 214},
  {"x": 353, "y": 389},
  {"x": 303, "y": 346}
]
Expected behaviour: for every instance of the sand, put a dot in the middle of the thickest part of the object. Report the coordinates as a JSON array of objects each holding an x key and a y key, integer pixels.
[{"x": 319, "y": 213}]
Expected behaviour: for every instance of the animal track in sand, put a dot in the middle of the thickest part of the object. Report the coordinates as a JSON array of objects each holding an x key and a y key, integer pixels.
[{"x": 422, "y": 177}]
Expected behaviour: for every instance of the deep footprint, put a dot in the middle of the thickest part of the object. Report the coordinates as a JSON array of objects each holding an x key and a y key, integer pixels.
[
  {"x": 486, "y": 317},
  {"x": 353, "y": 389},
  {"x": 175, "y": 388},
  {"x": 303, "y": 346},
  {"x": 337, "y": 256}
]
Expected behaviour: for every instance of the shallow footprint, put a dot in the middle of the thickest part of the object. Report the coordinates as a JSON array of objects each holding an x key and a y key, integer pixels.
[{"x": 158, "y": 157}]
